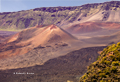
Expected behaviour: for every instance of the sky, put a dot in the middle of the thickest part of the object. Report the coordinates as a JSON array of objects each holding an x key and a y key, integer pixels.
[{"x": 18, "y": 5}]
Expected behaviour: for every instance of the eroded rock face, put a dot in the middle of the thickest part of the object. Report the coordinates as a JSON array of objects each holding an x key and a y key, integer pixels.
[{"x": 60, "y": 15}]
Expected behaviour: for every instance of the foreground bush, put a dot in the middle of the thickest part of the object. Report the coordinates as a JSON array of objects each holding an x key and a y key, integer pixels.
[{"x": 106, "y": 68}]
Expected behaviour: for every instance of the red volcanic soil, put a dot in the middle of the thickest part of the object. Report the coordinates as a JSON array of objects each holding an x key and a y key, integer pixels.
[
  {"x": 109, "y": 25},
  {"x": 31, "y": 38},
  {"x": 13, "y": 38},
  {"x": 92, "y": 26},
  {"x": 53, "y": 27},
  {"x": 39, "y": 26}
]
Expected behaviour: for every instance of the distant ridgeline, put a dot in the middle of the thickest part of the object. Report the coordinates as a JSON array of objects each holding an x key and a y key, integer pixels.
[
  {"x": 55, "y": 15},
  {"x": 106, "y": 68}
]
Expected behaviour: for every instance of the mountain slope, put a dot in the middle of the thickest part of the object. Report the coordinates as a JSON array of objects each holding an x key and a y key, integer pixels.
[
  {"x": 106, "y": 68},
  {"x": 92, "y": 27},
  {"x": 42, "y": 34},
  {"x": 62, "y": 16},
  {"x": 32, "y": 38}
]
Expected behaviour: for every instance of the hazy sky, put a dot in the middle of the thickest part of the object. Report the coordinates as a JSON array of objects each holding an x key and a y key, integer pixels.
[{"x": 17, "y": 5}]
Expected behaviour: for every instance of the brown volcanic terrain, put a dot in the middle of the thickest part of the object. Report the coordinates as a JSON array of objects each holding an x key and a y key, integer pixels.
[
  {"x": 31, "y": 38},
  {"x": 68, "y": 67},
  {"x": 92, "y": 27},
  {"x": 42, "y": 45},
  {"x": 108, "y": 39},
  {"x": 36, "y": 45}
]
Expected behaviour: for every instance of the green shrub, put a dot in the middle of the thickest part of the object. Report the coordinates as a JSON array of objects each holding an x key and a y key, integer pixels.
[
  {"x": 115, "y": 63},
  {"x": 106, "y": 68},
  {"x": 99, "y": 71},
  {"x": 113, "y": 57},
  {"x": 107, "y": 62},
  {"x": 103, "y": 60},
  {"x": 113, "y": 69},
  {"x": 116, "y": 52},
  {"x": 94, "y": 80},
  {"x": 94, "y": 76},
  {"x": 103, "y": 75},
  {"x": 118, "y": 57},
  {"x": 84, "y": 76},
  {"x": 102, "y": 81},
  {"x": 109, "y": 81},
  {"x": 105, "y": 81},
  {"x": 107, "y": 71},
  {"x": 118, "y": 44},
  {"x": 98, "y": 57}
]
